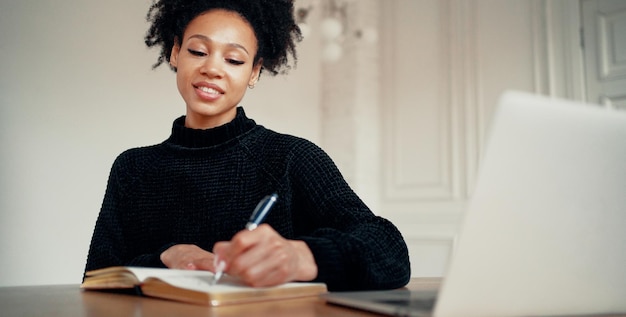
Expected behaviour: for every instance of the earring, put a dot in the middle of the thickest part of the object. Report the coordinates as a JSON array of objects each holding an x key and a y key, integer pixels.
[{"x": 251, "y": 86}]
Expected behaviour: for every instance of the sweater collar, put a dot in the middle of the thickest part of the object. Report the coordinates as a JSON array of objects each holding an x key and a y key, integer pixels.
[{"x": 199, "y": 138}]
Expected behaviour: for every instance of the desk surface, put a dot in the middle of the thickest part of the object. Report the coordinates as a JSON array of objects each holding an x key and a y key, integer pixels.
[{"x": 70, "y": 300}]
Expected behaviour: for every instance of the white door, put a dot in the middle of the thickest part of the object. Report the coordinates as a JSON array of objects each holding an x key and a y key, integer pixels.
[
  {"x": 444, "y": 64},
  {"x": 604, "y": 38}
]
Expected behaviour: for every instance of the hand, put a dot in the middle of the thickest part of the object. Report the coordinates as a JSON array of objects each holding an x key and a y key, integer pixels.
[
  {"x": 188, "y": 257},
  {"x": 262, "y": 257}
]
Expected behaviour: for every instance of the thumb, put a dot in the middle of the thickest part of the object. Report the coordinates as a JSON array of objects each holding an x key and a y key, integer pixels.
[{"x": 204, "y": 263}]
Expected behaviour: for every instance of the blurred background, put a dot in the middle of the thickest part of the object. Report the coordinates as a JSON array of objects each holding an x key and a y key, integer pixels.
[{"x": 399, "y": 92}]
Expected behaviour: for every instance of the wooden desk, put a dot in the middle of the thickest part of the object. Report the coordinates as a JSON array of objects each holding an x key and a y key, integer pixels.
[{"x": 70, "y": 300}]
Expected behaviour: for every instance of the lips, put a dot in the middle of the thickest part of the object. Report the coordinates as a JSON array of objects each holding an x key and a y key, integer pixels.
[{"x": 208, "y": 91}]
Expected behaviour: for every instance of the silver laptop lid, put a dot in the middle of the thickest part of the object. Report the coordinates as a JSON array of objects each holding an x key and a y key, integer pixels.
[{"x": 545, "y": 232}]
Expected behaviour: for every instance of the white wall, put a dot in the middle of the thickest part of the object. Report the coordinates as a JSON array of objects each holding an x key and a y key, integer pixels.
[
  {"x": 441, "y": 84},
  {"x": 76, "y": 89}
]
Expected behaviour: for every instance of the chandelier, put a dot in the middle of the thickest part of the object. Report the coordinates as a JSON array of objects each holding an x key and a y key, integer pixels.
[{"x": 335, "y": 27}]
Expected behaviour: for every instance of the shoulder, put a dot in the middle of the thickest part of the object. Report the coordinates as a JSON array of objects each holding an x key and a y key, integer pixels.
[
  {"x": 285, "y": 152},
  {"x": 272, "y": 143},
  {"x": 137, "y": 154},
  {"x": 136, "y": 160}
]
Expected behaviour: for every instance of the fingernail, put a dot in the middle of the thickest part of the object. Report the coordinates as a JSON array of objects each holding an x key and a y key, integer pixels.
[{"x": 220, "y": 266}]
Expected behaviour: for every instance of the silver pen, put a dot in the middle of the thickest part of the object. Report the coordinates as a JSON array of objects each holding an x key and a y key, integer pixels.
[{"x": 259, "y": 213}]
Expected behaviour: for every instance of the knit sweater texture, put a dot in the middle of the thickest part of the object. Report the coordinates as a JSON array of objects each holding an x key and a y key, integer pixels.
[{"x": 200, "y": 187}]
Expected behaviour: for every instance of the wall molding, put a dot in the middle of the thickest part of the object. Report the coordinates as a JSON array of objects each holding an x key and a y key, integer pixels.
[
  {"x": 557, "y": 31},
  {"x": 456, "y": 110},
  {"x": 429, "y": 210}
]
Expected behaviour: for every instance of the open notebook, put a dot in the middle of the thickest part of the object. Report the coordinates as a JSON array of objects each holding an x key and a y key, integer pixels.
[
  {"x": 545, "y": 230},
  {"x": 191, "y": 286}
]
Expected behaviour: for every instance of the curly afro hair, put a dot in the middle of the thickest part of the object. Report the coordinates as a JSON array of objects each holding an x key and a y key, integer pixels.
[{"x": 272, "y": 21}]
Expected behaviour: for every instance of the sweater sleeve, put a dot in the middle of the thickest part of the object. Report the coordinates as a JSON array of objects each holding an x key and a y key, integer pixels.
[
  {"x": 354, "y": 249},
  {"x": 108, "y": 246}
]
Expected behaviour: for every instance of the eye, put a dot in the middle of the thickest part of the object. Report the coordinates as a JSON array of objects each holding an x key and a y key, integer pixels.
[
  {"x": 196, "y": 53},
  {"x": 234, "y": 61}
]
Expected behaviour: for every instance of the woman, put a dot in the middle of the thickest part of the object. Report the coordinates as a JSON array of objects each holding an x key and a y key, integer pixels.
[{"x": 181, "y": 203}]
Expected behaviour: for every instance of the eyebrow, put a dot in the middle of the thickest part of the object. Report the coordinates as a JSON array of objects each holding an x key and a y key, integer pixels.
[{"x": 208, "y": 39}]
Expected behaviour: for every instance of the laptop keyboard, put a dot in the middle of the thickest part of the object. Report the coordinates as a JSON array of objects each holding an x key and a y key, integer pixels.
[{"x": 413, "y": 303}]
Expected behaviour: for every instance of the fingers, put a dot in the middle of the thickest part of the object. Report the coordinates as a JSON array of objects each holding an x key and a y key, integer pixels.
[
  {"x": 268, "y": 269},
  {"x": 262, "y": 257},
  {"x": 242, "y": 242},
  {"x": 264, "y": 263},
  {"x": 187, "y": 257},
  {"x": 205, "y": 262}
]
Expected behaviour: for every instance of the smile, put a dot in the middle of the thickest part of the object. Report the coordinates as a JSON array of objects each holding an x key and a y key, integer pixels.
[{"x": 209, "y": 90}]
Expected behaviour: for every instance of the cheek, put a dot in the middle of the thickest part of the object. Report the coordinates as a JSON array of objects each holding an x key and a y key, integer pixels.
[
  {"x": 182, "y": 81},
  {"x": 183, "y": 72},
  {"x": 243, "y": 77}
]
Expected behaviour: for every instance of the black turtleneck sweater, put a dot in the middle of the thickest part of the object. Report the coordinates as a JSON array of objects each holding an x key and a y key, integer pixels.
[{"x": 200, "y": 186}]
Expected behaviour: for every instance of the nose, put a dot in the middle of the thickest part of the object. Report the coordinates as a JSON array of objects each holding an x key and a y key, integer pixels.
[{"x": 212, "y": 66}]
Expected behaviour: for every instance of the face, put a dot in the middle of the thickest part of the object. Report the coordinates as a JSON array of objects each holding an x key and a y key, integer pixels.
[{"x": 214, "y": 67}]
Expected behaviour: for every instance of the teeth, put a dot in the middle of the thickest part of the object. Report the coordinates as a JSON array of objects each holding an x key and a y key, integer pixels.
[{"x": 209, "y": 90}]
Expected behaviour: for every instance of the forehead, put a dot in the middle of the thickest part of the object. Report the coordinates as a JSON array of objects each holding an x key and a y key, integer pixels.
[{"x": 222, "y": 26}]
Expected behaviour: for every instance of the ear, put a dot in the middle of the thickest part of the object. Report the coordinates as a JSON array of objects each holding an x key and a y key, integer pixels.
[
  {"x": 256, "y": 72},
  {"x": 174, "y": 54}
]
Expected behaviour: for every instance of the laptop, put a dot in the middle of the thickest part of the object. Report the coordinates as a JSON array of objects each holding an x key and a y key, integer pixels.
[{"x": 545, "y": 229}]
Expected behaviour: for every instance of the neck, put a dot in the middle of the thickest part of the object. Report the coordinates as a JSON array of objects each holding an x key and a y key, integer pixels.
[
  {"x": 191, "y": 137},
  {"x": 203, "y": 122}
]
